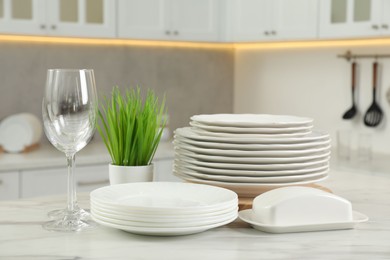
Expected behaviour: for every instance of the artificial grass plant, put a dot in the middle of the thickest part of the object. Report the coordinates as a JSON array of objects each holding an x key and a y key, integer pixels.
[{"x": 131, "y": 127}]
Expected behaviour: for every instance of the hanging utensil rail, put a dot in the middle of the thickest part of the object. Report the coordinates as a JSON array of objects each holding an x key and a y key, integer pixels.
[{"x": 349, "y": 56}]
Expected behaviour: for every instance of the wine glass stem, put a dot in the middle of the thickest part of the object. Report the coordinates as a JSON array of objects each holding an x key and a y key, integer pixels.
[{"x": 72, "y": 199}]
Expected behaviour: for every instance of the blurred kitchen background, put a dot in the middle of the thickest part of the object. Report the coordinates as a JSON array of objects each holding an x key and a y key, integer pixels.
[{"x": 218, "y": 72}]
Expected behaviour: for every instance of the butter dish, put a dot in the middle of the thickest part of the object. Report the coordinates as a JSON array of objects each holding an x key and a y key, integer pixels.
[{"x": 298, "y": 209}]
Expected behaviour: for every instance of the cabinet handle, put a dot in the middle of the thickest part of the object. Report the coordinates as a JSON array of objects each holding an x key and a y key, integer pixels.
[
  {"x": 53, "y": 27},
  {"x": 266, "y": 32},
  {"x": 168, "y": 32},
  {"x": 42, "y": 26},
  {"x": 89, "y": 183},
  {"x": 273, "y": 32},
  {"x": 385, "y": 26},
  {"x": 175, "y": 33},
  {"x": 375, "y": 27},
  {"x": 1, "y": 182}
]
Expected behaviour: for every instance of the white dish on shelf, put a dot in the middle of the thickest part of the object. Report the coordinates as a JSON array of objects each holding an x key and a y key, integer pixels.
[
  {"x": 164, "y": 197},
  {"x": 267, "y": 169},
  {"x": 251, "y": 179},
  {"x": 252, "y": 120},
  {"x": 248, "y": 160},
  {"x": 247, "y": 216},
  {"x": 253, "y": 136},
  {"x": 158, "y": 224},
  {"x": 163, "y": 231},
  {"x": 251, "y": 130},
  {"x": 238, "y": 153},
  {"x": 246, "y": 189},
  {"x": 254, "y": 147},
  {"x": 312, "y": 137}
]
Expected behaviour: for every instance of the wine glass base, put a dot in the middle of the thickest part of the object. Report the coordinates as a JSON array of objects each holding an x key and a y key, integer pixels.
[
  {"x": 84, "y": 214},
  {"x": 69, "y": 223}
]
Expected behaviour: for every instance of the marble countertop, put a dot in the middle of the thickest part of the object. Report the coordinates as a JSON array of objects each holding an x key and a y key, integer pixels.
[
  {"x": 21, "y": 235},
  {"x": 46, "y": 156}
]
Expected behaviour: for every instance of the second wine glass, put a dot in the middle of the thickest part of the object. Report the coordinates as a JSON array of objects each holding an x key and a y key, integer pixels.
[{"x": 69, "y": 110}]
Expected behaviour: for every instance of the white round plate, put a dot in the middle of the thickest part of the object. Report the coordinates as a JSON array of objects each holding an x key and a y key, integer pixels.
[
  {"x": 164, "y": 218},
  {"x": 245, "y": 179},
  {"x": 266, "y": 169},
  {"x": 238, "y": 153},
  {"x": 233, "y": 135},
  {"x": 252, "y": 120},
  {"x": 163, "y": 231},
  {"x": 244, "y": 173},
  {"x": 246, "y": 216},
  {"x": 245, "y": 160},
  {"x": 160, "y": 197},
  {"x": 251, "y": 130},
  {"x": 190, "y": 134},
  {"x": 254, "y": 147},
  {"x": 143, "y": 223},
  {"x": 246, "y": 189}
]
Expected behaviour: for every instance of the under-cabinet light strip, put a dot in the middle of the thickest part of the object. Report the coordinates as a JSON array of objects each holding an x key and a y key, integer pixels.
[{"x": 239, "y": 46}]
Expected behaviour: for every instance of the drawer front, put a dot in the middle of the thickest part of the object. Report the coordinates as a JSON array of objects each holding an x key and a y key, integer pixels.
[
  {"x": 54, "y": 181},
  {"x": 9, "y": 185}
]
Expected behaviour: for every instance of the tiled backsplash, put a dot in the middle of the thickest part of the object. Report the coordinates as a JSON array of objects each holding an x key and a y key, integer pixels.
[{"x": 195, "y": 80}]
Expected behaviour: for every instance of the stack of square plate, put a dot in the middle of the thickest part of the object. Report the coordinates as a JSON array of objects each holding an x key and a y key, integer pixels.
[
  {"x": 163, "y": 208},
  {"x": 249, "y": 153}
]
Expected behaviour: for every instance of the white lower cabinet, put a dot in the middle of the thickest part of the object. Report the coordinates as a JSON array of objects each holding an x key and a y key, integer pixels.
[
  {"x": 44, "y": 182},
  {"x": 9, "y": 185}
]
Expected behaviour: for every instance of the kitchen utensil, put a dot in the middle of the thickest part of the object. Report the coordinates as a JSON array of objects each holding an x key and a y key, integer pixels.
[
  {"x": 374, "y": 113},
  {"x": 352, "y": 111},
  {"x": 69, "y": 110}
]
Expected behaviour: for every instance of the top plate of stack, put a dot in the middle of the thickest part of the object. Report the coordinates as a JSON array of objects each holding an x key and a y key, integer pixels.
[{"x": 253, "y": 121}]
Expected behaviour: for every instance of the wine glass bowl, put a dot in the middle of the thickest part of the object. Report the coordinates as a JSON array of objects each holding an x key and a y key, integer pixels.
[{"x": 69, "y": 110}]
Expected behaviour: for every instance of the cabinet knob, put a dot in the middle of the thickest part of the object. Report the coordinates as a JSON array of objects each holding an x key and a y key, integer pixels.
[
  {"x": 168, "y": 32},
  {"x": 1, "y": 182},
  {"x": 385, "y": 26},
  {"x": 273, "y": 32},
  {"x": 375, "y": 27},
  {"x": 175, "y": 33},
  {"x": 42, "y": 26},
  {"x": 53, "y": 27},
  {"x": 266, "y": 32}
]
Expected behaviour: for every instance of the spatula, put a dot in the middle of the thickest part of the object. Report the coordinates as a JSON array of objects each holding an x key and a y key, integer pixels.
[
  {"x": 374, "y": 114},
  {"x": 350, "y": 113}
]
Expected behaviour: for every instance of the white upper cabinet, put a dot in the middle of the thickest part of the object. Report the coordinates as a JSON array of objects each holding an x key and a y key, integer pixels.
[
  {"x": 187, "y": 20},
  {"x": 80, "y": 18},
  {"x": 260, "y": 20},
  {"x": 23, "y": 16},
  {"x": 353, "y": 18}
]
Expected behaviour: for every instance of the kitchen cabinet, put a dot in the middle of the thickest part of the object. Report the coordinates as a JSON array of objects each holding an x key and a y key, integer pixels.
[
  {"x": 186, "y": 20},
  {"x": 354, "y": 18},
  {"x": 9, "y": 185},
  {"x": 270, "y": 20},
  {"x": 79, "y": 18}
]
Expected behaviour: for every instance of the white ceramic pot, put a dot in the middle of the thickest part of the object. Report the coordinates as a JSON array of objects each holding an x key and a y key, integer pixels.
[{"x": 125, "y": 174}]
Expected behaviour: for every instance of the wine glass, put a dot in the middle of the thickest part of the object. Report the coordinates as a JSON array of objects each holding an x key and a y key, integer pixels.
[{"x": 69, "y": 110}]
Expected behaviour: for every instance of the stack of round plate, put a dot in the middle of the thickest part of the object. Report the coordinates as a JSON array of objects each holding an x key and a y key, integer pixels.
[
  {"x": 250, "y": 154},
  {"x": 163, "y": 208}
]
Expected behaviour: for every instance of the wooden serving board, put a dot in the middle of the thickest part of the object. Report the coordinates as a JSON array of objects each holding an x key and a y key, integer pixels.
[{"x": 246, "y": 203}]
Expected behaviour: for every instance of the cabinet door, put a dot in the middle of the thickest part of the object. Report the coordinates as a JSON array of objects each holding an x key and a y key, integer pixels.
[
  {"x": 143, "y": 19},
  {"x": 89, "y": 178},
  {"x": 9, "y": 185},
  {"x": 195, "y": 20},
  {"x": 295, "y": 19},
  {"x": 163, "y": 171},
  {"x": 82, "y": 18},
  {"x": 23, "y": 16},
  {"x": 251, "y": 20},
  {"x": 385, "y": 25},
  {"x": 350, "y": 18}
]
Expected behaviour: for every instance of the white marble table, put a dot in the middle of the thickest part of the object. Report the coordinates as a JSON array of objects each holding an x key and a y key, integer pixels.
[{"x": 21, "y": 235}]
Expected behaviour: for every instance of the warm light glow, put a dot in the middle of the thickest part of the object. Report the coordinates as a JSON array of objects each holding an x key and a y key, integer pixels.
[
  {"x": 112, "y": 42},
  {"x": 199, "y": 45},
  {"x": 313, "y": 44}
]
